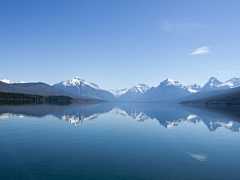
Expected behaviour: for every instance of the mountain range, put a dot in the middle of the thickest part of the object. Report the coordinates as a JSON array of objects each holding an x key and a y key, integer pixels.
[
  {"x": 38, "y": 89},
  {"x": 169, "y": 90}
]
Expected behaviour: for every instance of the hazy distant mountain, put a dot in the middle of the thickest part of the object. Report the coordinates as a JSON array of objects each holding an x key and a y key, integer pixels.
[
  {"x": 234, "y": 82},
  {"x": 81, "y": 87},
  {"x": 37, "y": 89},
  {"x": 214, "y": 84},
  {"x": 167, "y": 90},
  {"x": 118, "y": 93},
  {"x": 134, "y": 92},
  {"x": 194, "y": 88},
  {"x": 212, "y": 89}
]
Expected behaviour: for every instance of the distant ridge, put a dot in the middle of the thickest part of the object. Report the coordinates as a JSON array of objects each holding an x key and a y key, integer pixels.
[
  {"x": 134, "y": 92},
  {"x": 38, "y": 89}
]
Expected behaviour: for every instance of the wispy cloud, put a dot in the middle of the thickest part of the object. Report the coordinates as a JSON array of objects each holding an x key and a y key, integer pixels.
[
  {"x": 180, "y": 27},
  {"x": 198, "y": 157},
  {"x": 201, "y": 50}
]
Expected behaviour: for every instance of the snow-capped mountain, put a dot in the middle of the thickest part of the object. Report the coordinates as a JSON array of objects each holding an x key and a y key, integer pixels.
[
  {"x": 134, "y": 92},
  {"x": 78, "y": 81},
  {"x": 81, "y": 87},
  {"x": 234, "y": 82},
  {"x": 168, "y": 89},
  {"x": 194, "y": 88},
  {"x": 169, "y": 82},
  {"x": 214, "y": 84},
  {"x": 9, "y": 82},
  {"x": 118, "y": 93}
]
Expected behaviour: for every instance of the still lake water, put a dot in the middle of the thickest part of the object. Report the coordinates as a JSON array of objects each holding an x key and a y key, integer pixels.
[{"x": 119, "y": 141}]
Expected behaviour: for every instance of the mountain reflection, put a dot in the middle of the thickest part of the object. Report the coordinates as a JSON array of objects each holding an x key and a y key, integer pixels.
[{"x": 168, "y": 115}]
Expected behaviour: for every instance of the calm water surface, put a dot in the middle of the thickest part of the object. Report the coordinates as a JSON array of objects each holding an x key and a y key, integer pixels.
[{"x": 119, "y": 141}]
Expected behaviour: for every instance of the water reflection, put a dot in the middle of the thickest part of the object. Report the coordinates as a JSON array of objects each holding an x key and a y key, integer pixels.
[
  {"x": 198, "y": 157},
  {"x": 168, "y": 115}
]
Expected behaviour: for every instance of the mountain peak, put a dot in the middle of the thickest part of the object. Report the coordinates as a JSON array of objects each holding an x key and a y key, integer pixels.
[
  {"x": 214, "y": 83},
  {"x": 77, "y": 81},
  {"x": 134, "y": 92},
  {"x": 234, "y": 79},
  {"x": 212, "y": 79},
  {"x": 81, "y": 87},
  {"x": 169, "y": 82},
  {"x": 77, "y": 78},
  {"x": 142, "y": 88}
]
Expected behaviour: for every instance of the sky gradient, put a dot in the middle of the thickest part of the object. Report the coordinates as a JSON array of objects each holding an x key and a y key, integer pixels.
[{"x": 118, "y": 44}]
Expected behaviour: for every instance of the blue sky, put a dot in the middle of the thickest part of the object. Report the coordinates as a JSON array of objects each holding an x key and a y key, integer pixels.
[{"x": 118, "y": 44}]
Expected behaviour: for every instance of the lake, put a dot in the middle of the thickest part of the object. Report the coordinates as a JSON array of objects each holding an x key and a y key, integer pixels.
[{"x": 119, "y": 141}]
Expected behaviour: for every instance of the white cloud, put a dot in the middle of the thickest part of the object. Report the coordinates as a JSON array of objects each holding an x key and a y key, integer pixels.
[
  {"x": 201, "y": 50},
  {"x": 180, "y": 27},
  {"x": 198, "y": 157}
]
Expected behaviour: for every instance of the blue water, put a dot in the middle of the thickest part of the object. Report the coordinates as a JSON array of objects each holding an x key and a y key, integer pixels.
[{"x": 119, "y": 141}]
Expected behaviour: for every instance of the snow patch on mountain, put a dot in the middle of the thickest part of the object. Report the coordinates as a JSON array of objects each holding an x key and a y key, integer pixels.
[
  {"x": 194, "y": 88},
  {"x": 170, "y": 82},
  {"x": 118, "y": 93},
  {"x": 7, "y": 81}
]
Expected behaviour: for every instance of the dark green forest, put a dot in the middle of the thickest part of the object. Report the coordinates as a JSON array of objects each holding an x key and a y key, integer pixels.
[
  {"x": 32, "y": 98},
  {"x": 229, "y": 100}
]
